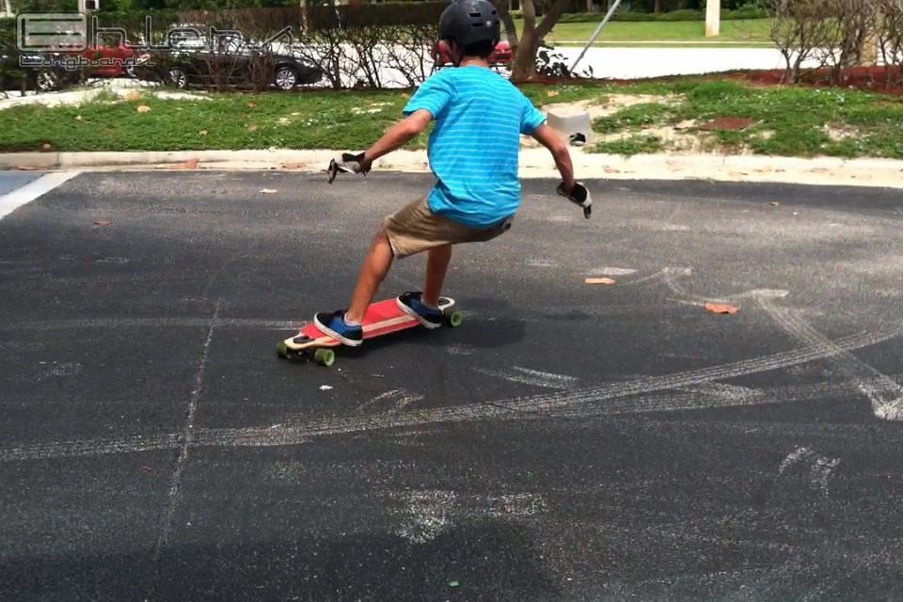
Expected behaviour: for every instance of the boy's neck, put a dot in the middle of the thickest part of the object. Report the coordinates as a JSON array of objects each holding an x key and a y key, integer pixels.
[{"x": 473, "y": 61}]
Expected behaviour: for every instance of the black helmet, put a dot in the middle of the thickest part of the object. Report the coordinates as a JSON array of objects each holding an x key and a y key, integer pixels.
[{"x": 469, "y": 21}]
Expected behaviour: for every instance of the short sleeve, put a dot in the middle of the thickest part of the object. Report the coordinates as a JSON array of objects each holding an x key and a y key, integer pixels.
[
  {"x": 531, "y": 118},
  {"x": 434, "y": 95}
]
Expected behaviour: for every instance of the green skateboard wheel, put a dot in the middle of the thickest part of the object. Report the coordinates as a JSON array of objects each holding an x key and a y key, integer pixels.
[
  {"x": 455, "y": 319},
  {"x": 282, "y": 350},
  {"x": 325, "y": 357}
]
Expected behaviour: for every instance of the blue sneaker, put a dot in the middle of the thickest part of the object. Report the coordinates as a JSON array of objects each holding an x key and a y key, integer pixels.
[
  {"x": 333, "y": 324},
  {"x": 410, "y": 303}
]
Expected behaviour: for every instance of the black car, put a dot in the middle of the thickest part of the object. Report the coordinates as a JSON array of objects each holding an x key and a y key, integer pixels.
[{"x": 231, "y": 64}]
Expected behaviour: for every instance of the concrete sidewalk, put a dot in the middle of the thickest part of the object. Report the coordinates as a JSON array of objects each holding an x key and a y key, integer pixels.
[{"x": 534, "y": 163}]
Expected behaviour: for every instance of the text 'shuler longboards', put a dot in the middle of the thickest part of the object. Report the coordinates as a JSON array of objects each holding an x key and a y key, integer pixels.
[{"x": 382, "y": 317}]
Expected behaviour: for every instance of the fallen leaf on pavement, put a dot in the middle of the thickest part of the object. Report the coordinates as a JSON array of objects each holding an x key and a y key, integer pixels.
[
  {"x": 102, "y": 222},
  {"x": 191, "y": 164},
  {"x": 599, "y": 281},
  {"x": 268, "y": 190},
  {"x": 720, "y": 308},
  {"x": 773, "y": 203}
]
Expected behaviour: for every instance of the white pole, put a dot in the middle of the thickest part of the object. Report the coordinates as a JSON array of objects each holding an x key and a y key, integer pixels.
[
  {"x": 713, "y": 12},
  {"x": 596, "y": 33}
]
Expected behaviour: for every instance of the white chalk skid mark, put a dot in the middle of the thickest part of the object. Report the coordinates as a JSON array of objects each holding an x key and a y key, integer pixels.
[
  {"x": 610, "y": 271},
  {"x": 542, "y": 263},
  {"x": 23, "y": 195},
  {"x": 531, "y": 377},
  {"x": 461, "y": 349},
  {"x": 186, "y": 441},
  {"x": 731, "y": 393},
  {"x": 423, "y": 515},
  {"x": 883, "y": 393},
  {"x": 818, "y": 467},
  {"x": 395, "y": 399},
  {"x": 610, "y": 398},
  {"x": 671, "y": 275},
  {"x": 132, "y": 323}
]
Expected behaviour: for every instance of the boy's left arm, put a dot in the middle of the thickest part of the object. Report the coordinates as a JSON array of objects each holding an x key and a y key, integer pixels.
[{"x": 395, "y": 137}]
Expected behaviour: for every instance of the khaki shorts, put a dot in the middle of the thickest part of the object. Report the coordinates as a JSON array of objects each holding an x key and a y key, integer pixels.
[{"x": 414, "y": 229}]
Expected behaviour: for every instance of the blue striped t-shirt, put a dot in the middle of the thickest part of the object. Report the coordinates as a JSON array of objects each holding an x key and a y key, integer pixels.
[{"x": 473, "y": 149}]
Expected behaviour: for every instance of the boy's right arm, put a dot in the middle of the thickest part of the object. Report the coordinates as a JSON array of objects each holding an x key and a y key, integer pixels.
[{"x": 575, "y": 191}]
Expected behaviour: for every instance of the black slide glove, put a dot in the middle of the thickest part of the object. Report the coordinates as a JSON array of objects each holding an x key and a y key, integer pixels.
[
  {"x": 578, "y": 195},
  {"x": 348, "y": 163}
]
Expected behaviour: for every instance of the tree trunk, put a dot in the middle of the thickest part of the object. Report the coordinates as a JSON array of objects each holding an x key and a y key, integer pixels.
[
  {"x": 525, "y": 62},
  {"x": 508, "y": 24},
  {"x": 524, "y": 65}
]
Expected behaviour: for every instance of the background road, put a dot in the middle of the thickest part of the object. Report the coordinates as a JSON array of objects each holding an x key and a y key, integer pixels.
[{"x": 568, "y": 442}]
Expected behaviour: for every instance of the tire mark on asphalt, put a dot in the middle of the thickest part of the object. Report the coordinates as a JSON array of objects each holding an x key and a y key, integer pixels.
[{"x": 500, "y": 409}]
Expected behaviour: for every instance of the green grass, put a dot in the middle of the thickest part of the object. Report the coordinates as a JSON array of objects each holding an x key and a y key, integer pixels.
[
  {"x": 786, "y": 120},
  {"x": 790, "y": 121},
  {"x": 752, "y": 31},
  {"x": 632, "y": 145},
  {"x": 226, "y": 121}
]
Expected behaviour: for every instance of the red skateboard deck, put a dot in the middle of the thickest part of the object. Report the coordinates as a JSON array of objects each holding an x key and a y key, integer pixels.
[{"x": 382, "y": 317}]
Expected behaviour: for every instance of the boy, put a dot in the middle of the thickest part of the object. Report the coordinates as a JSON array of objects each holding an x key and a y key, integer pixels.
[{"x": 473, "y": 153}]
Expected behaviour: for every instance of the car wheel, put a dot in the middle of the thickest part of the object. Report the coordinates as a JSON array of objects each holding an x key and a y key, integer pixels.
[
  {"x": 177, "y": 77},
  {"x": 286, "y": 78}
]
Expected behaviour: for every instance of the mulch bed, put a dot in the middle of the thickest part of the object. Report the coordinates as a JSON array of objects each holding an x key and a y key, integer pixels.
[{"x": 886, "y": 80}]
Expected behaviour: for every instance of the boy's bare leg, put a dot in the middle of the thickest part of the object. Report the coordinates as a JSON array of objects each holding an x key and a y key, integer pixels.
[
  {"x": 437, "y": 263},
  {"x": 373, "y": 270}
]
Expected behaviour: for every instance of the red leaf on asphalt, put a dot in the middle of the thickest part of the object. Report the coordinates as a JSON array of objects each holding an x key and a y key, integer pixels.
[{"x": 720, "y": 308}]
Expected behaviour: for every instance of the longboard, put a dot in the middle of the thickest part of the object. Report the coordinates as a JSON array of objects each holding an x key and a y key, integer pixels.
[{"x": 380, "y": 318}]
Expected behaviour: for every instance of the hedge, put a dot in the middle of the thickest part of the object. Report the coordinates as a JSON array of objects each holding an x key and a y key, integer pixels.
[{"x": 675, "y": 15}]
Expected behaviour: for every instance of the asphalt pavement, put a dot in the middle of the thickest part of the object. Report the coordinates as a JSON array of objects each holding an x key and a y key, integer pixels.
[{"x": 570, "y": 441}]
